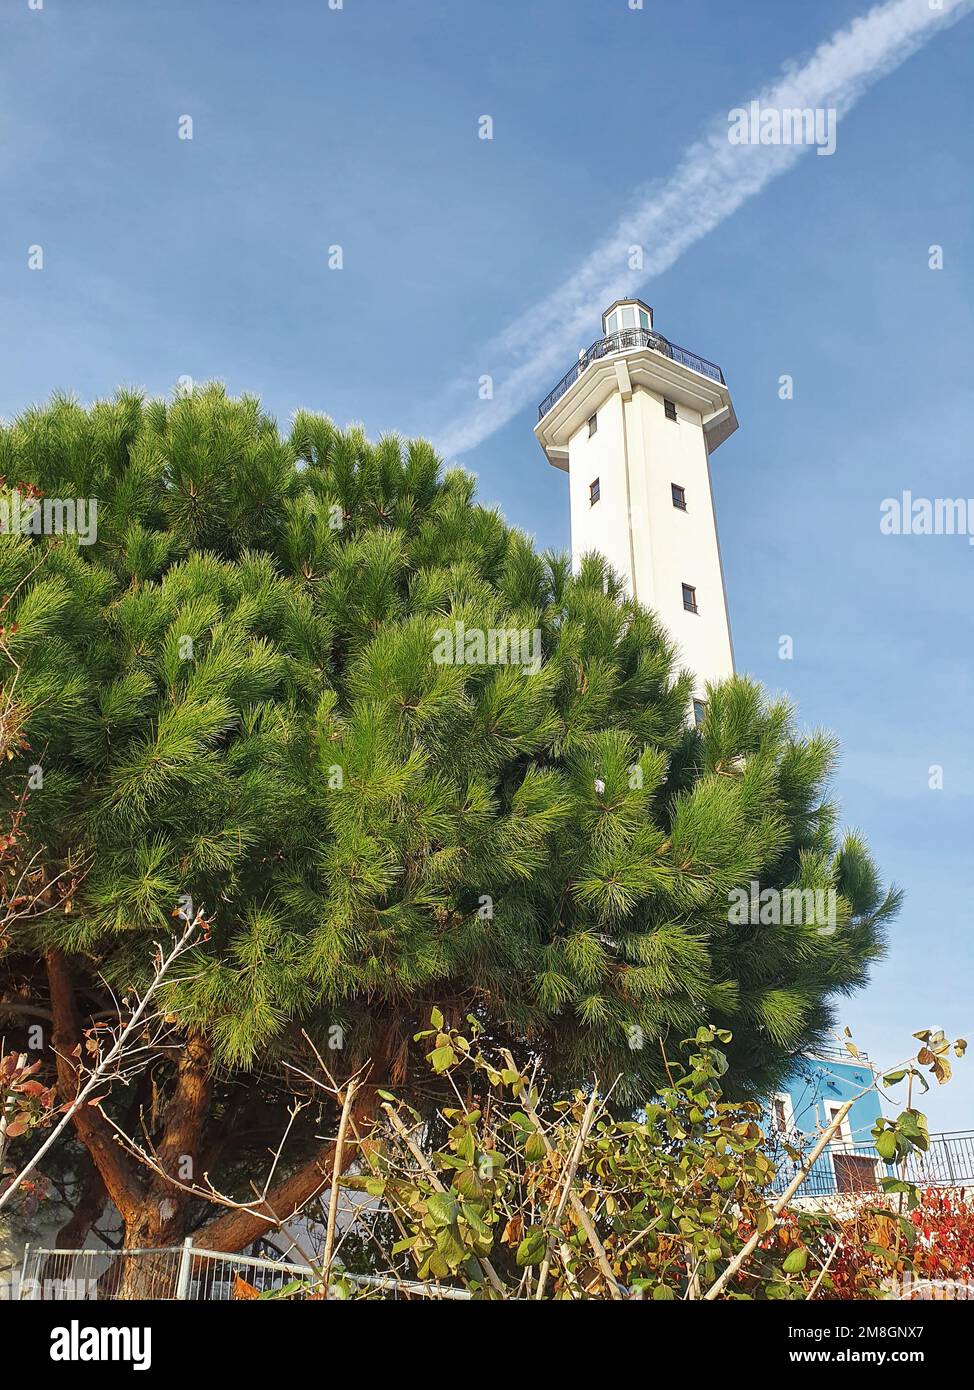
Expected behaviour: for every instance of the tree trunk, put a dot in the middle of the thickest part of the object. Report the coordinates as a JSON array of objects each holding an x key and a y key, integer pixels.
[
  {"x": 90, "y": 1205},
  {"x": 152, "y": 1208},
  {"x": 184, "y": 1122},
  {"x": 95, "y": 1133},
  {"x": 233, "y": 1230}
]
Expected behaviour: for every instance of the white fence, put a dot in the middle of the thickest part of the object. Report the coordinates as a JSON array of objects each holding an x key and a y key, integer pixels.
[{"x": 187, "y": 1272}]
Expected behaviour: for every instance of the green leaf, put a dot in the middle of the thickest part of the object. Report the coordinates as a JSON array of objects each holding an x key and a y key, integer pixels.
[
  {"x": 889, "y": 1257},
  {"x": 534, "y": 1148},
  {"x": 468, "y": 1183},
  {"x": 441, "y": 1207},
  {"x": 450, "y": 1246},
  {"x": 441, "y": 1058},
  {"x": 286, "y": 1291},
  {"x": 896, "y": 1185},
  {"x": 795, "y": 1261},
  {"x": 886, "y": 1145},
  {"x": 532, "y": 1248}
]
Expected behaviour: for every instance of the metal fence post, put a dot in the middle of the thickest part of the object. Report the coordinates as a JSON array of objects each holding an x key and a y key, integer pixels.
[
  {"x": 23, "y": 1272},
  {"x": 185, "y": 1269}
]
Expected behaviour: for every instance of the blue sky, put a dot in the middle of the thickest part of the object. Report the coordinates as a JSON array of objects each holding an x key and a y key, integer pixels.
[{"x": 359, "y": 127}]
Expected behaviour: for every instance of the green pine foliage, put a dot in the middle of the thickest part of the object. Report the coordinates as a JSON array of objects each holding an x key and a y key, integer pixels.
[{"x": 233, "y": 694}]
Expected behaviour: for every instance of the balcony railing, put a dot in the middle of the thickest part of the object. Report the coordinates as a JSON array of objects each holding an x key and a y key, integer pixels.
[
  {"x": 838, "y": 1054},
  {"x": 625, "y": 341},
  {"x": 851, "y": 1168}
]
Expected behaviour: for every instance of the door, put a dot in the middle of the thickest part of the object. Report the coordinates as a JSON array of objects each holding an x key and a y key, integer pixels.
[{"x": 854, "y": 1173}]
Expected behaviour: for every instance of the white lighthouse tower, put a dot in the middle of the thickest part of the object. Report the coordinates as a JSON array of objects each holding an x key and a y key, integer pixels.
[{"x": 633, "y": 423}]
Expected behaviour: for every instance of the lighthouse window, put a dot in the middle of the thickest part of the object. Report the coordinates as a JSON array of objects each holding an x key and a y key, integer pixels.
[
  {"x": 627, "y": 316},
  {"x": 690, "y": 598},
  {"x": 679, "y": 496},
  {"x": 593, "y": 493},
  {"x": 670, "y": 409},
  {"x": 593, "y": 425},
  {"x": 699, "y": 715}
]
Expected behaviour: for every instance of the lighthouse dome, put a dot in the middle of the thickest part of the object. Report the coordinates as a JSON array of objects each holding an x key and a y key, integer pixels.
[{"x": 627, "y": 313}]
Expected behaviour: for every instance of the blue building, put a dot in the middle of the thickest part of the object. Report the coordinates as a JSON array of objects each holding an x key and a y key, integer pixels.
[{"x": 808, "y": 1102}]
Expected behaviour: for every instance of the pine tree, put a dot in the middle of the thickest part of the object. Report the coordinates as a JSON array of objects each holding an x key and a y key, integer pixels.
[{"x": 236, "y": 695}]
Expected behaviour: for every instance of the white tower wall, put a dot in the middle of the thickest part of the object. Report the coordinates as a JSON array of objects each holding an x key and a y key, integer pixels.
[{"x": 637, "y": 453}]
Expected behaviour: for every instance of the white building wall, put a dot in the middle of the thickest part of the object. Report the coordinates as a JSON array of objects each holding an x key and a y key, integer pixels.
[
  {"x": 637, "y": 453},
  {"x": 605, "y": 526}
]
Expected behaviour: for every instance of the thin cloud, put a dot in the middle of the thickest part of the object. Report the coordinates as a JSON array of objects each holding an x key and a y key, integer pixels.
[{"x": 713, "y": 179}]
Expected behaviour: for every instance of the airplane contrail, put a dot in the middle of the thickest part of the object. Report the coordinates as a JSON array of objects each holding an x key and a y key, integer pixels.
[{"x": 713, "y": 179}]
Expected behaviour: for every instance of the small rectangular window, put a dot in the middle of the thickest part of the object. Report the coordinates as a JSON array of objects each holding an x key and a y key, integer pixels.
[
  {"x": 670, "y": 408},
  {"x": 699, "y": 712},
  {"x": 679, "y": 496},
  {"x": 843, "y": 1135},
  {"x": 690, "y": 598},
  {"x": 593, "y": 493},
  {"x": 593, "y": 425}
]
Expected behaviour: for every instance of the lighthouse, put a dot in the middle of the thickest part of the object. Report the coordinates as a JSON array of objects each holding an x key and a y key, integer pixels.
[{"x": 633, "y": 423}]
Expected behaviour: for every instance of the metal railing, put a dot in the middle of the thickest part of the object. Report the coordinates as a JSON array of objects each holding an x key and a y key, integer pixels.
[
  {"x": 837, "y": 1054},
  {"x": 626, "y": 341},
  {"x": 850, "y": 1168},
  {"x": 187, "y": 1272}
]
